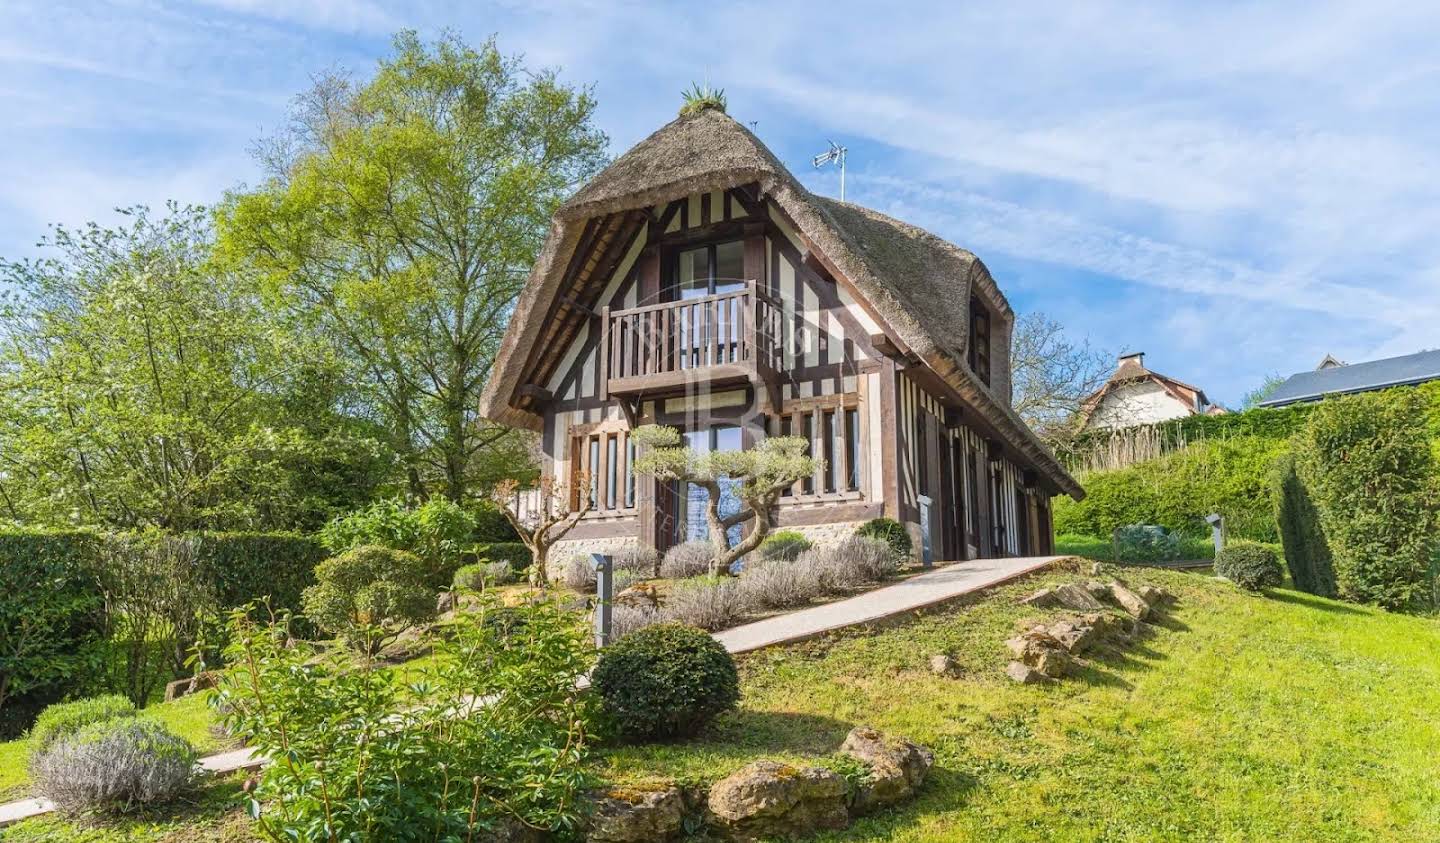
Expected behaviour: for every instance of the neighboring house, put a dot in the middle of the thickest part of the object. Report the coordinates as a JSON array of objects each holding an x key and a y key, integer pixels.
[
  {"x": 1335, "y": 378},
  {"x": 695, "y": 283},
  {"x": 1135, "y": 395}
]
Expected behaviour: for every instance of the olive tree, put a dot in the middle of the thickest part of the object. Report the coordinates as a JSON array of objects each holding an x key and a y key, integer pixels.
[{"x": 761, "y": 474}]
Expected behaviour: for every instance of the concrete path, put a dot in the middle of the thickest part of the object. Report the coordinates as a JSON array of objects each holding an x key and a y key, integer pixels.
[
  {"x": 937, "y": 586},
  {"x": 917, "y": 592}
]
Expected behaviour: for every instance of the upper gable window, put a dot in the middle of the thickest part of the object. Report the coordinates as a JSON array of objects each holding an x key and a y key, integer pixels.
[
  {"x": 707, "y": 270},
  {"x": 979, "y": 349}
]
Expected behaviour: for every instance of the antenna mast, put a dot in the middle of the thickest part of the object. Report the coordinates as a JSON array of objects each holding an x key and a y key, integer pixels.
[{"x": 834, "y": 155}]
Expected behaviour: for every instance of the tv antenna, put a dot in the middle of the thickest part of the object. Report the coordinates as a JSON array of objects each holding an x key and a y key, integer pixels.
[{"x": 834, "y": 155}]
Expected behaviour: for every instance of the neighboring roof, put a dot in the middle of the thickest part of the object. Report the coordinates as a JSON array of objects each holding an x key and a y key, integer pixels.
[
  {"x": 919, "y": 283},
  {"x": 1131, "y": 369},
  {"x": 1356, "y": 377},
  {"x": 1329, "y": 361}
]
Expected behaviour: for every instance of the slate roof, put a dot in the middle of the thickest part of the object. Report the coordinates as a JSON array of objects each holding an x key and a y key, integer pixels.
[{"x": 1356, "y": 377}]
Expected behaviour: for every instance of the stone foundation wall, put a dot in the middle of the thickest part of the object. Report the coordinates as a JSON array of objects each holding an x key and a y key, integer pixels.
[
  {"x": 562, "y": 551},
  {"x": 825, "y": 535}
]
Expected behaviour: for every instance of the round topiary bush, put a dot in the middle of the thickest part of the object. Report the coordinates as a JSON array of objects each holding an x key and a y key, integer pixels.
[
  {"x": 115, "y": 765},
  {"x": 891, "y": 532},
  {"x": 62, "y": 720},
  {"x": 369, "y": 596},
  {"x": 665, "y": 681},
  {"x": 1251, "y": 566},
  {"x": 786, "y": 545}
]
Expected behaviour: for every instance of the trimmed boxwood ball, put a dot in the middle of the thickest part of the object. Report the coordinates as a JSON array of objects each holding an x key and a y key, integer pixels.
[
  {"x": 891, "y": 532},
  {"x": 786, "y": 545},
  {"x": 1251, "y": 566},
  {"x": 665, "y": 681}
]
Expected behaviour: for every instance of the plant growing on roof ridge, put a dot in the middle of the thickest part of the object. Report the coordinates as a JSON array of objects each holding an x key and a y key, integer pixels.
[
  {"x": 762, "y": 473},
  {"x": 698, "y": 98}
]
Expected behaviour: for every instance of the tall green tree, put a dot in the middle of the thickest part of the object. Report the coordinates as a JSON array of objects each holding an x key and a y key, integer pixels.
[
  {"x": 402, "y": 215},
  {"x": 140, "y": 385}
]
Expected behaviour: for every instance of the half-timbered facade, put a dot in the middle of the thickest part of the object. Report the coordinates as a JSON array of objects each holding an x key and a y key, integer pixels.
[{"x": 695, "y": 283}]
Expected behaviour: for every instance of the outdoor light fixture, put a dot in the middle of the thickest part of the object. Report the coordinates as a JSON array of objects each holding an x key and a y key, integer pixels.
[{"x": 835, "y": 155}]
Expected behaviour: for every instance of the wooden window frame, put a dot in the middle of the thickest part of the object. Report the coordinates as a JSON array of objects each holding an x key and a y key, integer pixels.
[{"x": 978, "y": 350}]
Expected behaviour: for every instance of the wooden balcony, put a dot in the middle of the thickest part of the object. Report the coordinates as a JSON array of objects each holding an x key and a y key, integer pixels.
[{"x": 721, "y": 340}]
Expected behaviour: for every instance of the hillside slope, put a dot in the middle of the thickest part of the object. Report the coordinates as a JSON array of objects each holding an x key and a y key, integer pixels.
[{"x": 1284, "y": 717}]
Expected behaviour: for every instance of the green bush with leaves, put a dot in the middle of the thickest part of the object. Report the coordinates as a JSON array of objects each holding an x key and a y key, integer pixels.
[
  {"x": 246, "y": 567},
  {"x": 786, "y": 545},
  {"x": 115, "y": 765},
  {"x": 478, "y": 576},
  {"x": 1253, "y": 567},
  {"x": 1228, "y": 476},
  {"x": 490, "y": 732},
  {"x": 369, "y": 596},
  {"x": 52, "y": 620},
  {"x": 665, "y": 681},
  {"x": 891, "y": 532},
  {"x": 515, "y": 553},
  {"x": 1306, "y": 552},
  {"x": 439, "y": 531},
  {"x": 1369, "y": 466},
  {"x": 65, "y": 719}
]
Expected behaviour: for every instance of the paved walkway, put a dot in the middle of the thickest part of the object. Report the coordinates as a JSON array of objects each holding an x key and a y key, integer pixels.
[{"x": 917, "y": 592}]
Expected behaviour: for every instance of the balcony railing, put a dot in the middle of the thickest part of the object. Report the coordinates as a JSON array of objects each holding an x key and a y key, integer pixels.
[{"x": 727, "y": 337}]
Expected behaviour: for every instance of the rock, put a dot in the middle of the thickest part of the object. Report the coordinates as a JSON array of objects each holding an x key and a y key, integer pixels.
[
  {"x": 1042, "y": 599},
  {"x": 1129, "y": 601},
  {"x": 1025, "y": 674},
  {"x": 509, "y": 831},
  {"x": 1095, "y": 569},
  {"x": 445, "y": 602},
  {"x": 641, "y": 593},
  {"x": 1075, "y": 636},
  {"x": 184, "y": 687},
  {"x": 1156, "y": 597},
  {"x": 636, "y": 816},
  {"x": 1053, "y": 663},
  {"x": 943, "y": 665},
  {"x": 897, "y": 767},
  {"x": 769, "y": 799},
  {"x": 1099, "y": 590},
  {"x": 1077, "y": 597}
]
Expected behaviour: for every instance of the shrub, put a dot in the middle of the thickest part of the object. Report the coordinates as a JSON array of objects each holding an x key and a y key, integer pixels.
[
  {"x": 1368, "y": 465},
  {"x": 438, "y": 531},
  {"x": 665, "y": 681},
  {"x": 52, "y": 618},
  {"x": 369, "y": 756},
  {"x": 1251, "y": 566},
  {"x": 65, "y": 719},
  {"x": 579, "y": 574},
  {"x": 516, "y": 553},
  {"x": 369, "y": 596},
  {"x": 835, "y": 573},
  {"x": 706, "y": 602},
  {"x": 478, "y": 576},
  {"x": 1306, "y": 553},
  {"x": 688, "y": 559},
  {"x": 871, "y": 559},
  {"x": 114, "y": 765},
  {"x": 491, "y": 525},
  {"x": 642, "y": 561},
  {"x": 780, "y": 584},
  {"x": 786, "y": 544},
  {"x": 891, "y": 532},
  {"x": 626, "y": 618}
]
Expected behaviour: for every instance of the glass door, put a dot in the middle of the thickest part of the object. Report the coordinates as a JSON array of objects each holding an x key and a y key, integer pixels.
[{"x": 690, "y": 523}]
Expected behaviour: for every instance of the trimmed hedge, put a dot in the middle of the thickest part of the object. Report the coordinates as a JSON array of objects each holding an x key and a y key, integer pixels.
[
  {"x": 665, "y": 681},
  {"x": 1177, "y": 491},
  {"x": 52, "y": 620},
  {"x": 1306, "y": 553},
  {"x": 1367, "y": 462},
  {"x": 516, "y": 553},
  {"x": 250, "y": 566}
]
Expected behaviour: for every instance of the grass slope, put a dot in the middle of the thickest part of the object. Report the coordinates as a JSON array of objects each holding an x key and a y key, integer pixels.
[{"x": 1247, "y": 718}]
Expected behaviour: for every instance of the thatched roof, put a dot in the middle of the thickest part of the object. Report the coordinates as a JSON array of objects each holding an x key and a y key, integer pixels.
[{"x": 919, "y": 283}]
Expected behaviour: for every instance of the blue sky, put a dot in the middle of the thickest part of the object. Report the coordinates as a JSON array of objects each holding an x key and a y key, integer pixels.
[{"x": 1235, "y": 189}]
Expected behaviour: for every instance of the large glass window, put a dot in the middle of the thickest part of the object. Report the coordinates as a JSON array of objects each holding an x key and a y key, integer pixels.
[
  {"x": 691, "y": 522},
  {"x": 710, "y": 269},
  {"x": 852, "y": 448}
]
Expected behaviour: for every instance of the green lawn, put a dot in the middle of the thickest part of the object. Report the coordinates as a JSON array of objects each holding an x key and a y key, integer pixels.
[{"x": 1247, "y": 718}]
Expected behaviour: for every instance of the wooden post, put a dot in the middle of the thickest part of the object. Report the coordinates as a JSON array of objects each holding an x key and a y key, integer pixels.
[{"x": 604, "y": 362}]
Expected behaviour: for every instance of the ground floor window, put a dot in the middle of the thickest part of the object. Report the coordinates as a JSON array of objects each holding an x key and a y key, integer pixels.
[{"x": 692, "y": 499}]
